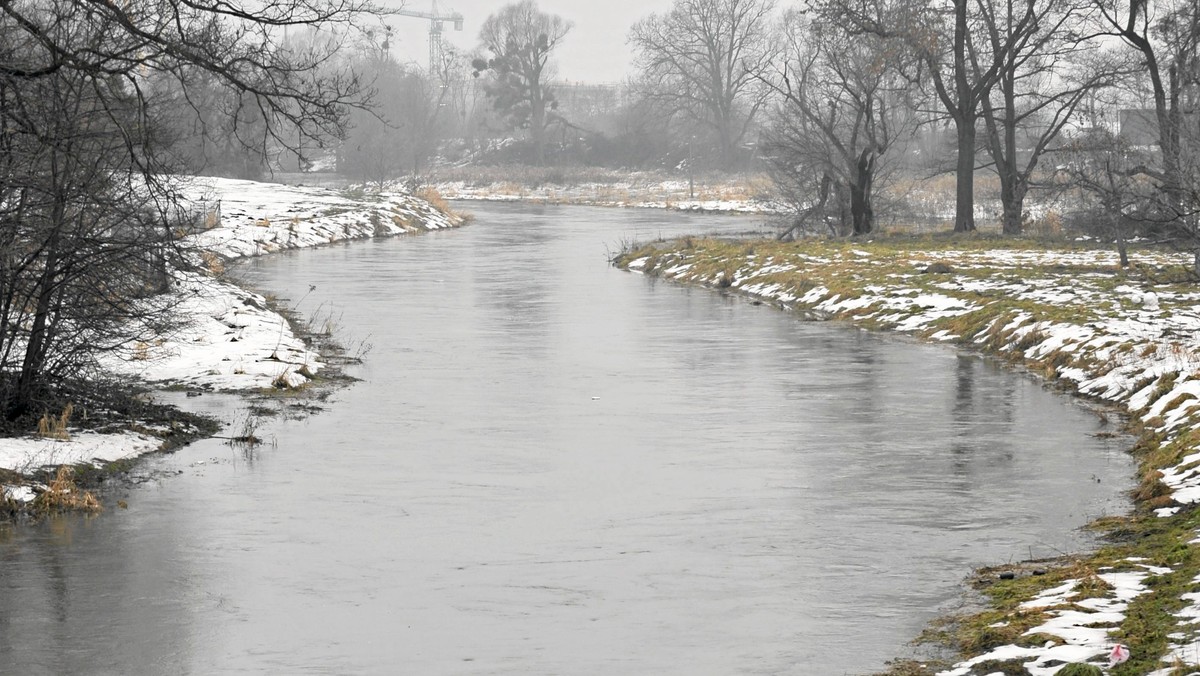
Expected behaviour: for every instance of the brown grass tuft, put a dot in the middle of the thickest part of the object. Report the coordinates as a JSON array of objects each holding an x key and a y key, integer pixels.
[
  {"x": 63, "y": 495},
  {"x": 50, "y": 427},
  {"x": 212, "y": 219},
  {"x": 1151, "y": 487},
  {"x": 434, "y": 198},
  {"x": 212, "y": 262}
]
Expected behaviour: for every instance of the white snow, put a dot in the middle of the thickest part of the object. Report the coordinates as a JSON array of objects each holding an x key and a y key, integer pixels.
[
  {"x": 30, "y": 453},
  {"x": 1085, "y": 634},
  {"x": 19, "y": 493},
  {"x": 232, "y": 339},
  {"x": 640, "y": 191},
  {"x": 1135, "y": 347},
  {"x": 232, "y": 342}
]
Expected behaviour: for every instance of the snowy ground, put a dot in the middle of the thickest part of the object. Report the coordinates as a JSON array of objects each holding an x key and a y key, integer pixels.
[
  {"x": 638, "y": 191},
  {"x": 233, "y": 341},
  {"x": 1065, "y": 312}
]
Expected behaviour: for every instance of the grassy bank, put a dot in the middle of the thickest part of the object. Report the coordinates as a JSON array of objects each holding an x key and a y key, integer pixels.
[{"x": 1128, "y": 337}]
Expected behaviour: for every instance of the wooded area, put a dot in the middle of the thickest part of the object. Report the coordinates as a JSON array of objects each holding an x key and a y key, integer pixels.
[
  {"x": 1092, "y": 103},
  {"x": 839, "y": 99}
]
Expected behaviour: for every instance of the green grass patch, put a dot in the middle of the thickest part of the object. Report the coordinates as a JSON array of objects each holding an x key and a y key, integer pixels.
[{"x": 897, "y": 263}]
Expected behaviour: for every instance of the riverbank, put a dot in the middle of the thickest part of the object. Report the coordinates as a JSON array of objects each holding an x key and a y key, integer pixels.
[
  {"x": 591, "y": 186},
  {"x": 906, "y": 204},
  {"x": 234, "y": 340},
  {"x": 1129, "y": 338}
]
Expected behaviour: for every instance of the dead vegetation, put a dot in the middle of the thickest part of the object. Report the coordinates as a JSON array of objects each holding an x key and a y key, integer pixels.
[
  {"x": 64, "y": 495},
  {"x": 55, "y": 427}
]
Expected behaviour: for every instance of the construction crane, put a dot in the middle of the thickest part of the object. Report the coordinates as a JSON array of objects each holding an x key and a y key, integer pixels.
[{"x": 436, "y": 19}]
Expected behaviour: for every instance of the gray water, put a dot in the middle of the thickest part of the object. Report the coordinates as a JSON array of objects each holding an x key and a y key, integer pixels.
[{"x": 555, "y": 467}]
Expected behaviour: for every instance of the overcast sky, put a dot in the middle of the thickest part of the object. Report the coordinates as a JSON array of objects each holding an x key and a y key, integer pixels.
[{"x": 594, "y": 50}]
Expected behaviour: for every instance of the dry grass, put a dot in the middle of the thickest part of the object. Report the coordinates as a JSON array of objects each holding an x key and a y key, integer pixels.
[
  {"x": 435, "y": 198},
  {"x": 571, "y": 184},
  {"x": 400, "y": 221},
  {"x": 212, "y": 263},
  {"x": 1049, "y": 226},
  {"x": 212, "y": 219},
  {"x": 51, "y": 427},
  {"x": 526, "y": 175},
  {"x": 63, "y": 495},
  {"x": 281, "y": 382}
]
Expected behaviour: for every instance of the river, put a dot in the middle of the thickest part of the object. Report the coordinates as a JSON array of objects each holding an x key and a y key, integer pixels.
[{"x": 554, "y": 467}]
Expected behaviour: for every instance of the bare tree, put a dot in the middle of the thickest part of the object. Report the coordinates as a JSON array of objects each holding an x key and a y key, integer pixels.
[
  {"x": 961, "y": 77},
  {"x": 706, "y": 60},
  {"x": 86, "y": 245},
  {"x": 521, "y": 39},
  {"x": 1103, "y": 165},
  {"x": 88, "y": 212},
  {"x": 397, "y": 137},
  {"x": 207, "y": 128},
  {"x": 1166, "y": 36},
  {"x": 842, "y": 107},
  {"x": 1051, "y": 63}
]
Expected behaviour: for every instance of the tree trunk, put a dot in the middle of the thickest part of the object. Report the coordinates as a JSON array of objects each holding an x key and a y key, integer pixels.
[
  {"x": 728, "y": 149},
  {"x": 1113, "y": 211},
  {"x": 537, "y": 123},
  {"x": 1122, "y": 246},
  {"x": 35, "y": 349},
  {"x": 1012, "y": 186},
  {"x": 38, "y": 343},
  {"x": 1012, "y": 200},
  {"x": 1164, "y": 111},
  {"x": 861, "y": 212},
  {"x": 537, "y": 113},
  {"x": 964, "y": 194}
]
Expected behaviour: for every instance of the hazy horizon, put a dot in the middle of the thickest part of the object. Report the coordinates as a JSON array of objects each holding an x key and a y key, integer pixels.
[{"x": 594, "y": 51}]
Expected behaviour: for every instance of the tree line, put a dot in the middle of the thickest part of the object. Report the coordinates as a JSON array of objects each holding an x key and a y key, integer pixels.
[
  {"x": 828, "y": 95},
  {"x": 103, "y": 104}
]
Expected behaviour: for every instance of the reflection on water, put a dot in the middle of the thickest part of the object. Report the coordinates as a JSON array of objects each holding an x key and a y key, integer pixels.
[{"x": 554, "y": 467}]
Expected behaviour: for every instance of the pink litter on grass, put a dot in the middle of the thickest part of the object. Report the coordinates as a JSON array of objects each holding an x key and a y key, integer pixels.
[{"x": 1118, "y": 655}]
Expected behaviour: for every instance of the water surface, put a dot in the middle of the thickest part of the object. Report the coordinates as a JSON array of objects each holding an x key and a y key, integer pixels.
[{"x": 554, "y": 467}]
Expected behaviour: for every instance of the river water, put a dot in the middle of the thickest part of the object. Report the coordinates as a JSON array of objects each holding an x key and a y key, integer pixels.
[{"x": 554, "y": 467}]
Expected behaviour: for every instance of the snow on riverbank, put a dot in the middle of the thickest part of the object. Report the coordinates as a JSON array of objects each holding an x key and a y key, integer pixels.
[
  {"x": 640, "y": 192},
  {"x": 1070, "y": 314},
  {"x": 232, "y": 340},
  {"x": 261, "y": 218},
  {"x": 1075, "y": 617},
  {"x": 235, "y": 342}
]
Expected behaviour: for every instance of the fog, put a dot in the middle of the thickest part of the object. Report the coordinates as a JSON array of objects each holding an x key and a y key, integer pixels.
[{"x": 594, "y": 51}]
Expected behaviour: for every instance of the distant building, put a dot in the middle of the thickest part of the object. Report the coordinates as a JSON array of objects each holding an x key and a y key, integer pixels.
[
  {"x": 1139, "y": 126},
  {"x": 583, "y": 103}
]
